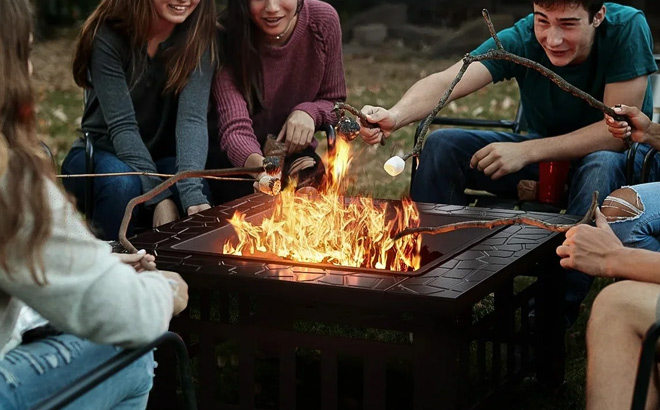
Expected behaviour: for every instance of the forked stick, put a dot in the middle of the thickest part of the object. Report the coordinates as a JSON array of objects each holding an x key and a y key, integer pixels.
[
  {"x": 272, "y": 166},
  {"x": 588, "y": 217}
]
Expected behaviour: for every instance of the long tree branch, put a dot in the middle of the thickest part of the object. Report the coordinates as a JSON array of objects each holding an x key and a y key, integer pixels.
[
  {"x": 148, "y": 174},
  {"x": 272, "y": 166},
  {"x": 433, "y": 230}
]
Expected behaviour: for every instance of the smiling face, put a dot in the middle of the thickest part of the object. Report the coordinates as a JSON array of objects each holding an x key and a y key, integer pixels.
[
  {"x": 566, "y": 32},
  {"x": 173, "y": 12},
  {"x": 275, "y": 18}
]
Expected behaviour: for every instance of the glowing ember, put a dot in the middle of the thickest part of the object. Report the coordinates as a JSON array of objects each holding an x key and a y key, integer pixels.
[{"x": 326, "y": 228}]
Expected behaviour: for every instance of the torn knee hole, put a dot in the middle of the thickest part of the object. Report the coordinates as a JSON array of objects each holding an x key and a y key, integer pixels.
[{"x": 624, "y": 203}]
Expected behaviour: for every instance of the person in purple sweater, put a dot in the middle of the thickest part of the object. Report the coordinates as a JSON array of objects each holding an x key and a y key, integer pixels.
[{"x": 283, "y": 74}]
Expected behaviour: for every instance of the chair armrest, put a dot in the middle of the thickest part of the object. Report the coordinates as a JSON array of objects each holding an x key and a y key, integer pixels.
[
  {"x": 475, "y": 122},
  {"x": 646, "y": 165}
]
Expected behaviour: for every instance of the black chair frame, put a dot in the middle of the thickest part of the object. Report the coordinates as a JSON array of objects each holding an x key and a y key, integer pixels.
[
  {"x": 115, "y": 364},
  {"x": 647, "y": 361}
]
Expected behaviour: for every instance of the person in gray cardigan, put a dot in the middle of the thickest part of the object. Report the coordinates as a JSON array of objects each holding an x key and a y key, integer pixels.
[
  {"x": 52, "y": 269},
  {"x": 146, "y": 66}
]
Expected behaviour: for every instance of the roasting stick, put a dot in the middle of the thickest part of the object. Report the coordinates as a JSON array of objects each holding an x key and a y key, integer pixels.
[
  {"x": 272, "y": 166},
  {"x": 588, "y": 217}
]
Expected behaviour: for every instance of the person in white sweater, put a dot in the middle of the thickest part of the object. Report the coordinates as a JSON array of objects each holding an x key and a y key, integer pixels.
[{"x": 52, "y": 265}]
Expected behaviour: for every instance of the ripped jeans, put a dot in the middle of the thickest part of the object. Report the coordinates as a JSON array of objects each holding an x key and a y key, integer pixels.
[
  {"x": 634, "y": 214},
  {"x": 35, "y": 371}
]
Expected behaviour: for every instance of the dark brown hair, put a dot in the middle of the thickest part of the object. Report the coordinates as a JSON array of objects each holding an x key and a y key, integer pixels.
[
  {"x": 592, "y": 7},
  {"x": 25, "y": 217},
  {"x": 240, "y": 44},
  {"x": 133, "y": 19}
]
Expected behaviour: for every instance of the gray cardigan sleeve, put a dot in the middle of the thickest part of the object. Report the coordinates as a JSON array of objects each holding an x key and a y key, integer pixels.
[
  {"x": 192, "y": 133},
  {"x": 111, "y": 88}
]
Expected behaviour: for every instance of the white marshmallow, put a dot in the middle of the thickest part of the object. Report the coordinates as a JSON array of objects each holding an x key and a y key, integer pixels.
[{"x": 395, "y": 165}]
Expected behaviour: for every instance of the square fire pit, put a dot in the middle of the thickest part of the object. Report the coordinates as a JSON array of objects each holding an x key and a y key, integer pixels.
[
  {"x": 435, "y": 248},
  {"x": 274, "y": 334}
]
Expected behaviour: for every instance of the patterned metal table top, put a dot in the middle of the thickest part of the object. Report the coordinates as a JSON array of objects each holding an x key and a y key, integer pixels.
[{"x": 502, "y": 254}]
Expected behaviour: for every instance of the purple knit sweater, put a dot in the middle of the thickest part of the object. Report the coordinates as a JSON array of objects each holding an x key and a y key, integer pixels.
[{"x": 306, "y": 74}]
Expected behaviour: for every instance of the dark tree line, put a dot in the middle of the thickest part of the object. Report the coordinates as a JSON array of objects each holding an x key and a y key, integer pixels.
[{"x": 54, "y": 13}]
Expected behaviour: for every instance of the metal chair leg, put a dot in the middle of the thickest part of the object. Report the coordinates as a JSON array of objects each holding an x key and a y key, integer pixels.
[{"x": 647, "y": 360}]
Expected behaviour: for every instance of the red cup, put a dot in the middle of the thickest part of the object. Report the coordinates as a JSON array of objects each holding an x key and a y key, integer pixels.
[{"x": 552, "y": 182}]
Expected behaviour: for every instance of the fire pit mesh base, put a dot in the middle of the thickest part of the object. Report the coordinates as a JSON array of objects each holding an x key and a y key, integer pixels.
[{"x": 269, "y": 353}]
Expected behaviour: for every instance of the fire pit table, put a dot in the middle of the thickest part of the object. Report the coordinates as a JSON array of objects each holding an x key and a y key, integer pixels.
[{"x": 484, "y": 309}]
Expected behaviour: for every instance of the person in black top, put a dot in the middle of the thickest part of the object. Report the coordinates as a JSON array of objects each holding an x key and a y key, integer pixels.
[{"x": 146, "y": 66}]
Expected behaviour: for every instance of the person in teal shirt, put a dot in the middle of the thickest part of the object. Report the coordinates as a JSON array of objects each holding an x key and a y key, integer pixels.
[{"x": 605, "y": 49}]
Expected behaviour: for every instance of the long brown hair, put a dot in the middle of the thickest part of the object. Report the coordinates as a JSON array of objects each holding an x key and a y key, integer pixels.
[
  {"x": 24, "y": 166},
  {"x": 133, "y": 20},
  {"x": 240, "y": 45}
]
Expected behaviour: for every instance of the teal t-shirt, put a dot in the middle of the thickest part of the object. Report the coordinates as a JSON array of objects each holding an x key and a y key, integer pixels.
[{"x": 622, "y": 50}]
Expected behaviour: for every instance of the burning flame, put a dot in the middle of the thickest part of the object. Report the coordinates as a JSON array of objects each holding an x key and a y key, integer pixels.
[{"x": 328, "y": 228}]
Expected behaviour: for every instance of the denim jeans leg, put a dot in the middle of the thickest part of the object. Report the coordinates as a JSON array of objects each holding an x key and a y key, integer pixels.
[
  {"x": 444, "y": 166},
  {"x": 35, "y": 371},
  {"x": 602, "y": 171},
  {"x": 111, "y": 194},
  {"x": 642, "y": 230}
]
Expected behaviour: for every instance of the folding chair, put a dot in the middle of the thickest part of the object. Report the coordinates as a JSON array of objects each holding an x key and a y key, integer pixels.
[{"x": 115, "y": 364}]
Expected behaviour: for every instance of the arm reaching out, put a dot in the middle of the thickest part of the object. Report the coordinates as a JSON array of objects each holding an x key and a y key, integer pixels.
[{"x": 421, "y": 98}]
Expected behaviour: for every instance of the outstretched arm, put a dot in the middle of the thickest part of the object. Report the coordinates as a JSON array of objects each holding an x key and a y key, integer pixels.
[{"x": 421, "y": 98}]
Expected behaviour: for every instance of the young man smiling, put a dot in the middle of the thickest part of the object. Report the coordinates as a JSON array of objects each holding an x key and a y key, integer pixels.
[{"x": 604, "y": 49}]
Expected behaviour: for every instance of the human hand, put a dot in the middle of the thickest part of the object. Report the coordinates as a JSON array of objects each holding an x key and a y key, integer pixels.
[
  {"x": 589, "y": 249},
  {"x": 637, "y": 126},
  {"x": 197, "y": 208},
  {"x": 297, "y": 132},
  {"x": 140, "y": 261},
  {"x": 165, "y": 212},
  {"x": 499, "y": 159},
  {"x": 179, "y": 291},
  {"x": 381, "y": 124}
]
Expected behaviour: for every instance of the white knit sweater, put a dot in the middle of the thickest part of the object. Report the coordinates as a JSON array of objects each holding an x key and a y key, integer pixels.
[{"x": 90, "y": 292}]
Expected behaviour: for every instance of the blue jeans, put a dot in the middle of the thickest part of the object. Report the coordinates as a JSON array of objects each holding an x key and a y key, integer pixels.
[
  {"x": 35, "y": 371},
  {"x": 444, "y": 172},
  {"x": 642, "y": 230},
  {"x": 112, "y": 194}
]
